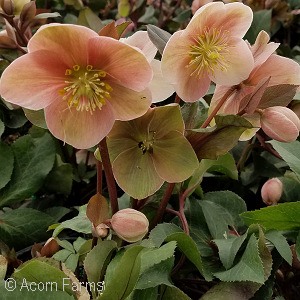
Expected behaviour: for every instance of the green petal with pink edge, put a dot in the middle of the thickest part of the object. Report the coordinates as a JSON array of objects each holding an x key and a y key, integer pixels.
[
  {"x": 165, "y": 119},
  {"x": 135, "y": 173},
  {"x": 174, "y": 158}
]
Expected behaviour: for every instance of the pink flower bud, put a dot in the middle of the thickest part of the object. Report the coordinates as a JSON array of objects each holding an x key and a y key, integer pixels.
[
  {"x": 129, "y": 224},
  {"x": 280, "y": 123},
  {"x": 271, "y": 191}
]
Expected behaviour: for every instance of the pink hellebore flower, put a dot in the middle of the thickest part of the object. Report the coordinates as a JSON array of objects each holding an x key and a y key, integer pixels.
[
  {"x": 160, "y": 89},
  {"x": 83, "y": 81},
  {"x": 281, "y": 70},
  {"x": 211, "y": 48}
]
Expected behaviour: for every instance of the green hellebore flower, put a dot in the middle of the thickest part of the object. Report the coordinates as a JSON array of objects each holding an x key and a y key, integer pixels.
[{"x": 149, "y": 150}]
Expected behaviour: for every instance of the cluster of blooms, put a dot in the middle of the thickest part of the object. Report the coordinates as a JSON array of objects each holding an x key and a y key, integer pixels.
[{"x": 85, "y": 82}]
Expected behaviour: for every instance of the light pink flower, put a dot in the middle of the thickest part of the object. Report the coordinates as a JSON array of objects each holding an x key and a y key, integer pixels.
[
  {"x": 160, "y": 89},
  {"x": 83, "y": 81},
  {"x": 211, "y": 48},
  {"x": 281, "y": 70},
  {"x": 196, "y": 4}
]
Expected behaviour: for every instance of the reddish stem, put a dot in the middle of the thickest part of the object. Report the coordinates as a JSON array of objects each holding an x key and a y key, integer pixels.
[
  {"x": 219, "y": 105},
  {"x": 110, "y": 181},
  {"x": 163, "y": 205}
]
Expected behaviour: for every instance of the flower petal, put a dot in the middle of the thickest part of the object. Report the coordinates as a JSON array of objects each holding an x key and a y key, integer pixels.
[
  {"x": 165, "y": 119},
  {"x": 174, "y": 158},
  {"x": 240, "y": 64},
  {"x": 81, "y": 129},
  {"x": 128, "y": 104},
  {"x": 33, "y": 80},
  {"x": 69, "y": 42},
  {"x": 232, "y": 18},
  {"x": 135, "y": 173},
  {"x": 174, "y": 64},
  {"x": 141, "y": 41},
  {"x": 281, "y": 69},
  {"x": 262, "y": 49},
  {"x": 159, "y": 87},
  {"x": 122, "y": 62}
]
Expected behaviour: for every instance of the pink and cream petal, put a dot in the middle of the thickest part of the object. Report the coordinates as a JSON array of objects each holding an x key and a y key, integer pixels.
[
  {"x": 81, "y": 129},
  {"x": 122, "y": 62},
  {"x": 159, "y": 87},
  {"x": 68, "y": 42},
  {"x": 128, "y": 104},
  {"x": 239, "y": 64},
  {"x": 33, "y": 80},
  {"x": 174, "y": 158},
  {"x": 281, "y": 69},
  {"x": 141, "y": 41},
  {"x": 175, "y": 57},
  {"x": 262, "y": 49},
  {"x": 135, "y": 173}
]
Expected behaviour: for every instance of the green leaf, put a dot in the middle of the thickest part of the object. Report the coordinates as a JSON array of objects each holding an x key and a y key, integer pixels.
[
  {"x": 161, "y": 232},
  {"x": 228, "y": 248},
  {"x": 2, "y": 127},
  {"x": 297, "y": 247},
  {"x": 6, "y": 164},
  {"x": 149, "y": 16},
  {"x": 125, "y": 275},
  {"x": 159, "y": 37},
  {"x": 39, "y": 270},
  {"x": 89, "y": 19},
  {"x": 96, "y": 260},
  {"x": 290, "y": 153},
  {"x": 60, "y": 179},
  {"x": 230, "y": 291},
  {"x": 285, "y": 216},
  {"x": 28, "y": 291},
  {"x": 261, "y": 21},
  {"x": 146, "y": 294},
  {"x": 249, "y": 268},
  {"x": 224, "y": 164},
  {"x": 24, "y": 226},
  {"x": 188, "y": 247},
  {"x": 156, "y": 275},
  {"x": 212, "y": 142},
  {"x": 80, "y": 223},
  {"x": 174, "y": 293},
  {"x": 47, "y": 15},
  {"x": 36, "y": 117},
  {"x": 224, "y": 206},
  {"x": 281, "y": 244},
  {"x": 34, "y": 159}
]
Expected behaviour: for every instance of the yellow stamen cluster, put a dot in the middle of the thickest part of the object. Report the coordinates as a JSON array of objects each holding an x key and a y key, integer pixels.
[
  {"x": 209, "y": 52},
  {"x": 147, "y": 144},
  {"x": 85, "y": 89}
]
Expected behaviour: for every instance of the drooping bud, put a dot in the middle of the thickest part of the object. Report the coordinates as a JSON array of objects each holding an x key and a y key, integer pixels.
[
  {"x": 271, "y": 191},
  {"x": 100, "y": 230},
  {"x": 280, "y": 123},
  {"x": 7, "y": 7},
  {"x": 130, "y": 225}
]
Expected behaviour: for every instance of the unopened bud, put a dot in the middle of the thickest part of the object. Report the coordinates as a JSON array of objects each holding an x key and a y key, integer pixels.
[
  {"x": 130, "y": 225},
  {"x": 271, "y": 191},
  {"x": 50, "y": 247},
  {"x": 100, "y": 230},
  {"x": 280, "y": 123},
  {"x": 7, "y": 6}
]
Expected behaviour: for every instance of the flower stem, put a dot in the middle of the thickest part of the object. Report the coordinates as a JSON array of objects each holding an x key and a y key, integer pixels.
[
  {"x": 163, "y": 205},
  {"x": 99, "y": 177},
  {"x": 111, "y": 185},
  {"x": 219, "y": 105}
]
